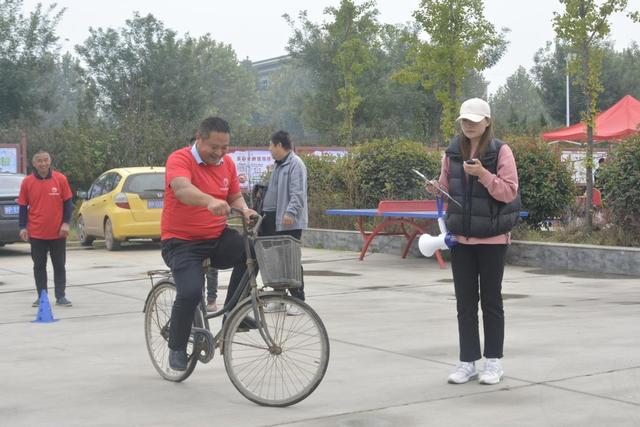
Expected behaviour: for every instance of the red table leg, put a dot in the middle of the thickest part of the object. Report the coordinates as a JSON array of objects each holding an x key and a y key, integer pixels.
[{"x": 378, "y": 230}]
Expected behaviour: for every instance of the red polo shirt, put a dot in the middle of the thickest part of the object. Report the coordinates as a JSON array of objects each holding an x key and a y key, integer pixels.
[
  {"x": 45, "y": 199},
  {"x": 196, "y": 222}
]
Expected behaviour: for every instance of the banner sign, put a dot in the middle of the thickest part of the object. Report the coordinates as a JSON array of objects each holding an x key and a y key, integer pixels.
[
  {"x": 9, "y": 160},
  {"x": 334, "y": 153},
  {"x": 576, "y": 161},
  {"x": 254, "y": 164}
]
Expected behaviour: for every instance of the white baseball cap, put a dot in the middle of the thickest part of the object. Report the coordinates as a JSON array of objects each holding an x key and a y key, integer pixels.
[{"x": 474, "y": 109}]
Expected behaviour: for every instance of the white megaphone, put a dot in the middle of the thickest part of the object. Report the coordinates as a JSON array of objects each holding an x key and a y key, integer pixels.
[{"x": 429, "y": 244}]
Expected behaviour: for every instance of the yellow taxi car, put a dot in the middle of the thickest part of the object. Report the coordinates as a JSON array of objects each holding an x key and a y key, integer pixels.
[{"x": 122, "y": 204}]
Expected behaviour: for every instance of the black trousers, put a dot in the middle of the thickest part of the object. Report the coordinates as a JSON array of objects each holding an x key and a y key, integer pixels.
[
  {"x": 212, "y": 284},
  {"x": 184, "y": 258},
  {"x": 268, "y": 228},
  {"x": 57, "y": 250},
  {"x": 477, "y": 276}
]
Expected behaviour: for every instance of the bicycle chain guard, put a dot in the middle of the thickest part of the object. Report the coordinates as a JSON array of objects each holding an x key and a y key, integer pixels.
[{"x": 203, "y": 344}]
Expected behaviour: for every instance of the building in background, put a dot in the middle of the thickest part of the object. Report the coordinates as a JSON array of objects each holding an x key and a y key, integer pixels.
[{"x": 266, "y": 67}]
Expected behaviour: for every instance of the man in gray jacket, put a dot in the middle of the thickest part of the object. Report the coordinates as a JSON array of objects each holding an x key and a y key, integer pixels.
[{"x": 284, "y": 205}]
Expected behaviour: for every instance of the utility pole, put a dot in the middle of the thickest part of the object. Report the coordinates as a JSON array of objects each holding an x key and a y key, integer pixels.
[
  {"x": 570, "y": 56},
  {"x": 567, "y": 107}
]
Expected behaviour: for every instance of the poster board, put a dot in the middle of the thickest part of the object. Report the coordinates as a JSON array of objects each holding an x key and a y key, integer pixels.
[
  {"x": 9, "y": 159},
  {"x": 255, "y": 164},
  {"x": 575, "y": 159}
]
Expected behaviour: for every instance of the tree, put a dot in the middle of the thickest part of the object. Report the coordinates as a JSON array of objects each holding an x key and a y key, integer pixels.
[
  {"x": 282, "y": 101},
  {"x": 583, "y": 26},
  {"x": 154, "y": 87},
  {"x": 549, "y": 71},
  {"x": 518, "y": 104},
  {"x": 357, "y": 29},
  {"x": 620, "y": 75},
  {"x": 619, "y": 78},
  {"x": 460, "y": 40},
  {"x": 75, "y": 101},
  {"x": 28, "y": 53},
  {"x": 339, "y": 52},
  {"x": 392, "y": 109}
]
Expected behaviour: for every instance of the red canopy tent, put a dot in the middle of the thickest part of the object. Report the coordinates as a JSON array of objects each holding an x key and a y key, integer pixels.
[{"x": 618, "y": 122}]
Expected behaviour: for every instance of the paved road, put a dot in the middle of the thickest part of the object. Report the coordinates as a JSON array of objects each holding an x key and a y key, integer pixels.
[{"x": 572, "y": 350}]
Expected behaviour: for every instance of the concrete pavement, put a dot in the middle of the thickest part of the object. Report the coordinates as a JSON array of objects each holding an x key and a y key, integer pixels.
[{"x": 572, "y": 351}]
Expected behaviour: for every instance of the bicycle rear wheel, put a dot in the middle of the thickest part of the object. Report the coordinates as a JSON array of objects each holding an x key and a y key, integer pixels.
[
  {"x": 289, "y": 371},
  {"x": 156, "y": 331}
]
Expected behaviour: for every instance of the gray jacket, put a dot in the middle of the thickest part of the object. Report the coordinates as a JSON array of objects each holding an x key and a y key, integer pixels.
[{"x": 289, "y": 180}]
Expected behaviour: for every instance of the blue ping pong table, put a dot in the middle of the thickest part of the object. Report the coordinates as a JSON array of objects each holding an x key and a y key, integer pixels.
[
  {"x": 412, "y": 217},
  {"x": 404, "y": 213}
]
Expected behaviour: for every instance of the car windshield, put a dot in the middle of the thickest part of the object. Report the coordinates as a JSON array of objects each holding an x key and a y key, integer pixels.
[
  {"x": 143, "y": 182},
  {"x": 10, "y": 185}
]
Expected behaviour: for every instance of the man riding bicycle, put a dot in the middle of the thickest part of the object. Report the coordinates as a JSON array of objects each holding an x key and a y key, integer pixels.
[{"x": 201, "y": 187}]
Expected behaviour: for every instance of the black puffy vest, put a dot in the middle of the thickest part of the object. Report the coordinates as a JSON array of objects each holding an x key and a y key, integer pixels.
[{"x": 481, "y": 215}]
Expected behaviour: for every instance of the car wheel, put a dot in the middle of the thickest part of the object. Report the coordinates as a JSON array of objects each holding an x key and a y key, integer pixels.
[
  {"x": 110, "y": 241},
  {"x": 85, "y": 239}
]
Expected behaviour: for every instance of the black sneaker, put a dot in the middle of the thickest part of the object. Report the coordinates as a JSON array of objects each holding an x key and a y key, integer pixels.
[
  {"x": 246, "y": 324},
  {"x": 178, "y": 360},
  {"x": 63, "y": 302}
]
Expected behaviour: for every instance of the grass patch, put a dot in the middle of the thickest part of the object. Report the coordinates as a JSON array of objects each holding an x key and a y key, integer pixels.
[{"x": 574, "y": 233}]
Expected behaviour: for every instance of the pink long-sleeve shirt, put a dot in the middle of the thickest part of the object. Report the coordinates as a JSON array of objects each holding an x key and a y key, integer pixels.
[{"x": 502, "y": 186}]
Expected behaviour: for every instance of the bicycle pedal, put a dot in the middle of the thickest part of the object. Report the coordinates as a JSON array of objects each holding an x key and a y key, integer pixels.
[{"x": 204, "y": 344}]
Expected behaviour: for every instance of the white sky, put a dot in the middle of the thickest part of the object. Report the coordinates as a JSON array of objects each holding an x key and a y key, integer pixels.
[{"x": 256, "y": 30}]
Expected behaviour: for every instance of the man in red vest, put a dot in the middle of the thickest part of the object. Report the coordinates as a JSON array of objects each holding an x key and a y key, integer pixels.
[{"x": 45, "y": 213}]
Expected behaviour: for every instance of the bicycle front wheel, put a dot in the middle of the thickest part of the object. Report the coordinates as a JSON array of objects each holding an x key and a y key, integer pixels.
[
  {"x": 156, "y": 331},
  {"x": 290, "y": 369}
]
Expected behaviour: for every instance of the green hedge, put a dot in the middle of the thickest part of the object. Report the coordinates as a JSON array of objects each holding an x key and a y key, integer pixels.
[
  {"x": 546, "y": 186},
  {"x": 374, "y": 171},
  {"x": 620, "y": 177},
  {"x": 382, "y": 171},
  {"x": 329, "y": 186}
]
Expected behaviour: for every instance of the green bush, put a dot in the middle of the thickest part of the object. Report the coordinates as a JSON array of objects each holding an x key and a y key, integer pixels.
[
  {"x": 620, "y": 177},
  {"x": 382, "y": 171},
  {"x": 329, "y": 186},
  {"x": 546, "y": 186},
  {"x": 81, "y": 153}
]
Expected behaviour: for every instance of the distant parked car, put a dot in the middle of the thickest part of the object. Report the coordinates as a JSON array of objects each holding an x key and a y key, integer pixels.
[
  {"x": 122, "y": 204},
  {"x": 9, "y": 191}
]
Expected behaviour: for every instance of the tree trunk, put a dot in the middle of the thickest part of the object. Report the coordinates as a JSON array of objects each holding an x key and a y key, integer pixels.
[
  {"x": 589, "y": 94},
  {"x": 589, "y": 172}
]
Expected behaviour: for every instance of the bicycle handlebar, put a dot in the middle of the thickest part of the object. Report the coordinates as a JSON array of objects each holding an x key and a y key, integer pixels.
[{"x": 247, "y": 228}]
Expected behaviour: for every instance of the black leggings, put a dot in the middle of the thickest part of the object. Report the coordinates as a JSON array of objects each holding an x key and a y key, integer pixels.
[{"x": 479, "y": 268}]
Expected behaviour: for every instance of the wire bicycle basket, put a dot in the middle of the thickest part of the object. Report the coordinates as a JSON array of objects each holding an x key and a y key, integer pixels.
[{"x": 279, "y": 261}]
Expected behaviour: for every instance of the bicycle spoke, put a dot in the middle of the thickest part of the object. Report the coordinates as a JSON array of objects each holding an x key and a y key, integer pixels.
[
  {"x": 157, "y": 318},
  {"x": 289, "y": 371},
  {"x": 257, "y": 346}
]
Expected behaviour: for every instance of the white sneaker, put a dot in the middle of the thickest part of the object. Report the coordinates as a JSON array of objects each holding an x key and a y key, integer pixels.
[
  {"x": 294, "y": 310},
  {"x": 274, "y": 307},
  {"x": 465, "y": 371},
  {"x": 492, "y": 373}
]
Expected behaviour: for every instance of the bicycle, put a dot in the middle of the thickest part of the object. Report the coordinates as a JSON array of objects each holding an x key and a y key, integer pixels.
[{"x": 271, "y": 358}]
